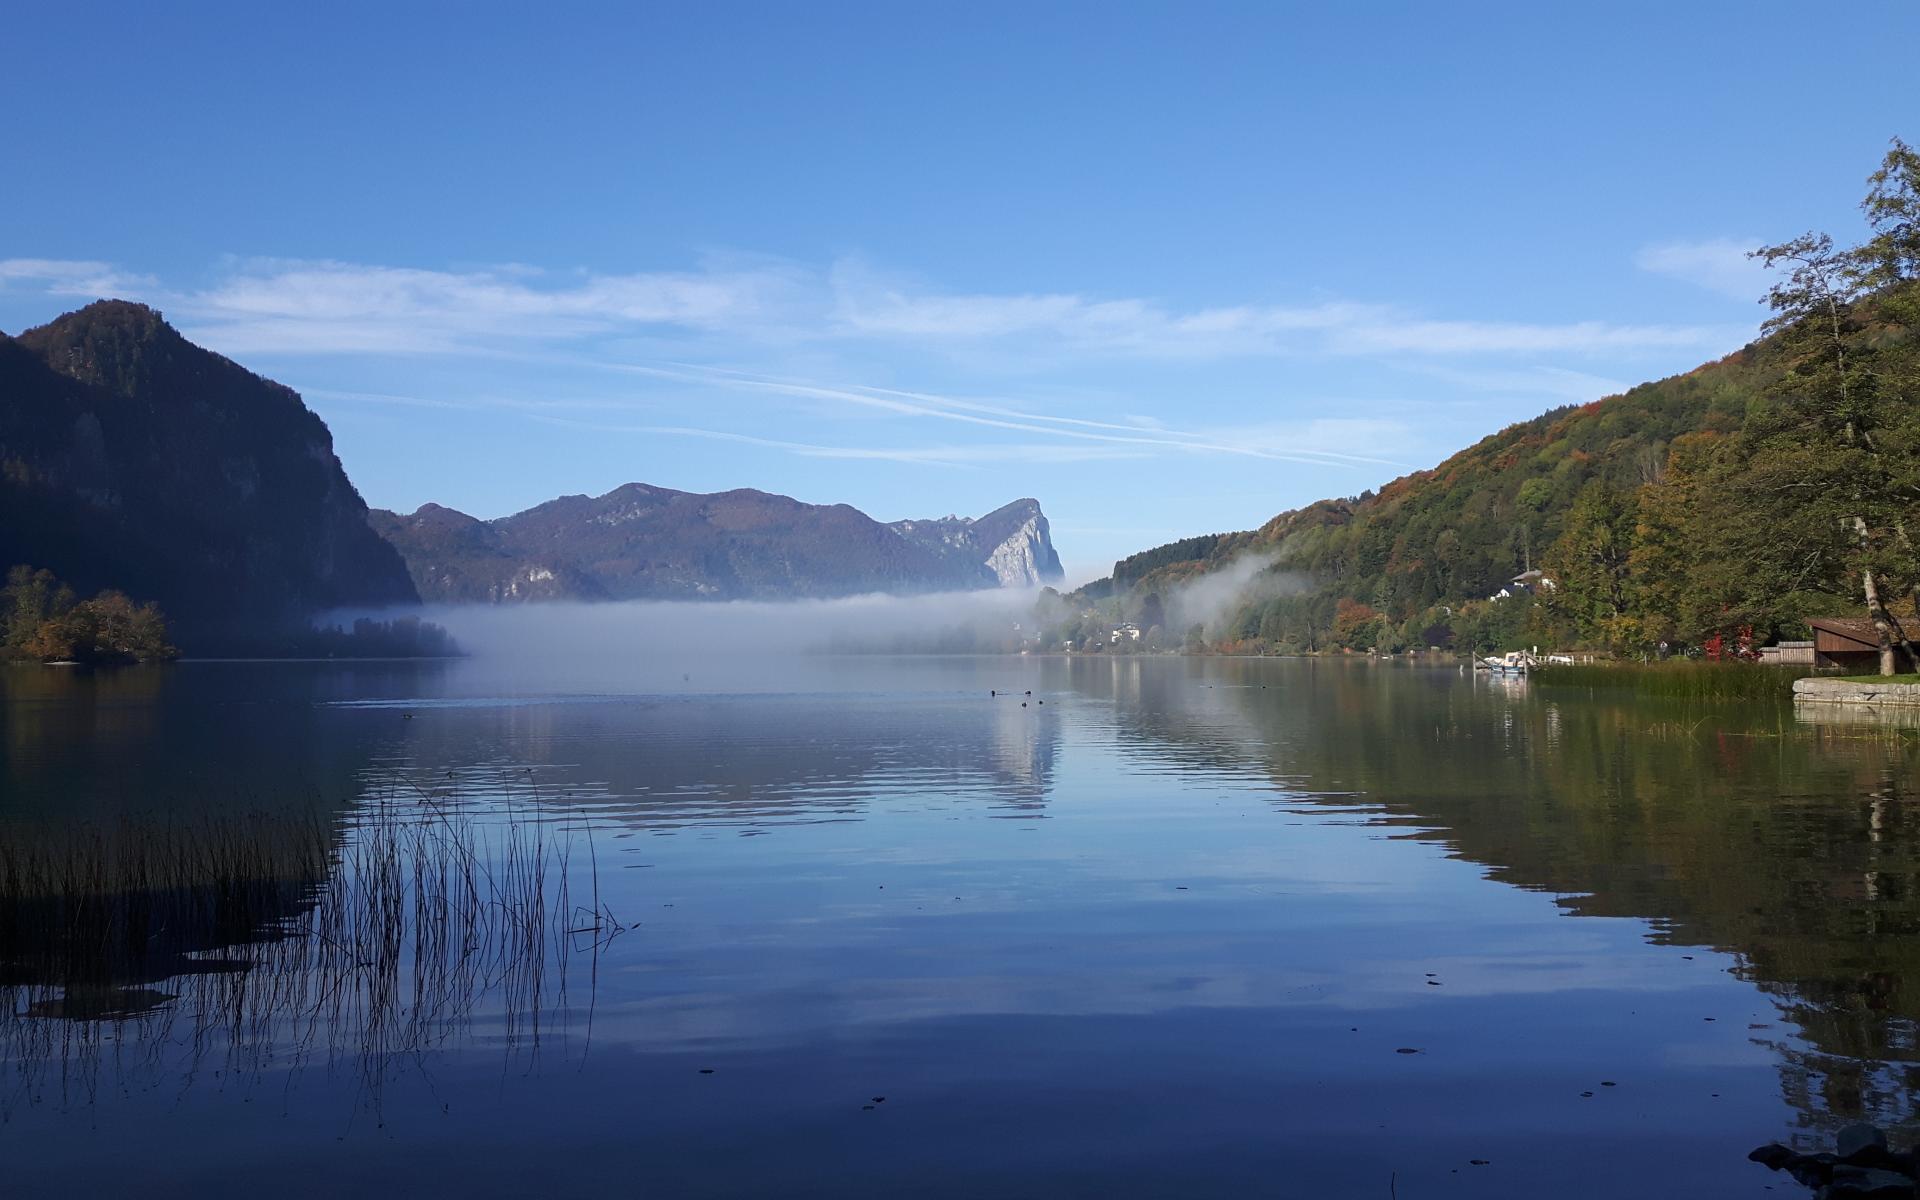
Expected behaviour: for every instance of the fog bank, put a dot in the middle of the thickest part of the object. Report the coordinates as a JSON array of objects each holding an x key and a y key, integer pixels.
[
  {"x": 648, "y": 629},
  {"x": 1211, "y": 599}
]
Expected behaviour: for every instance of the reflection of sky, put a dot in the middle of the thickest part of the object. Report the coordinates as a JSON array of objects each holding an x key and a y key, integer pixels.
[{"x": 1187, "y": 969}]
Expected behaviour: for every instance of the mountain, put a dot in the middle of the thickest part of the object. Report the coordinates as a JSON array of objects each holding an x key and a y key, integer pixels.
[
  {"x": 1013, "y": 541},
  {"x": 1708, "y": 512},
  {"x": 1464, "y": 529},
  {"x": 132, "y": 459},
  {"x": 641, "y": 542}
]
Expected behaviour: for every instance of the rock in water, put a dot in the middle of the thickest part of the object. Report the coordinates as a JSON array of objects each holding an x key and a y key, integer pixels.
[
  {"x": 1858, "y": 1139},
  {"x": 1868, "y": 1181},
  {"x": 1865, "y": 1166},
  {"x": 1813, "y": 1170}
]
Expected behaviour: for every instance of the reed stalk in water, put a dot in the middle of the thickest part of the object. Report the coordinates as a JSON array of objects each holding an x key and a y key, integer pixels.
[{"x": 260, "y": 944}]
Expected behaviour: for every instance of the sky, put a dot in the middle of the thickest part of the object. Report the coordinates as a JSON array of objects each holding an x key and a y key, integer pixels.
[{"x": 1169, "y": 269}]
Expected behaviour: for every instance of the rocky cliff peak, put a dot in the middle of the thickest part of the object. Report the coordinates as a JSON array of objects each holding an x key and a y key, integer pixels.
[{"x": 1012, "y": 545}]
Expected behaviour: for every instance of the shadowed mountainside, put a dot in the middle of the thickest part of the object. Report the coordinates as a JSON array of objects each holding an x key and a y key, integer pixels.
[{"x": 132, "y": 459}]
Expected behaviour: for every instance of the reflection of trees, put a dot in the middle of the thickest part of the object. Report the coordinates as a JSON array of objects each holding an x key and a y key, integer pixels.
[
  {"x": 248, "y": 945},
  {"x": 1794, "y": 847},
  {"x": 190, "y": 739}
]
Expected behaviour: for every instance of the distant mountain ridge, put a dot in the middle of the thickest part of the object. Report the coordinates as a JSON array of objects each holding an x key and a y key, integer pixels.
[
  {"x": 132, "y": 459},
  {"x": 642, "y": 542}
]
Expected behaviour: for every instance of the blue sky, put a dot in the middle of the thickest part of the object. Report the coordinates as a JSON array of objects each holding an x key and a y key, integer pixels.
[{"x": 1169, "y": 268}]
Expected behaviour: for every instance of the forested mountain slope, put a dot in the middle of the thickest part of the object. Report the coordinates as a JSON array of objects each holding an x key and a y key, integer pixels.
[
  {"x": 1462, "y": 530},
  {"x": 1730, "y": 501},
  {"x": 1737, "y": 499}
]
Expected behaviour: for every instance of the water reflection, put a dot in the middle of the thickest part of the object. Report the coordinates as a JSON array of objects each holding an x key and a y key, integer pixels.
[
  {"x": 1242, "y": 876},
  {"x": 147, "y": 955},
  {"x": 1794, "y": 847},
  {"x": 1857, "y": 716}
]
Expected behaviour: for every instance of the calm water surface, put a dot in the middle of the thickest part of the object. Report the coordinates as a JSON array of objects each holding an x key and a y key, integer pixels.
[{"x": 854, "y": 927}]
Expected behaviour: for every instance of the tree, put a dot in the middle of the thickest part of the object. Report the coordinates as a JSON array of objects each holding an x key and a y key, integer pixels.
[
  {"x": 1836, "y": 440},
  {"x": 30, "y": 599},
  {"x": 1355, "y": 624},
  {"x": 1591, "y": 565},
  {"x": 1891, "y": 256},
  {"x": 1152, "y": 611},
  {"x": 44, "y": 623},
  {"x": 1889, "y": 263}
]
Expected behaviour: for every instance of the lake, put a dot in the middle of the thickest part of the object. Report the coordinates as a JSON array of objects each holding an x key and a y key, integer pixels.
[{"x": 855, "y": 926}]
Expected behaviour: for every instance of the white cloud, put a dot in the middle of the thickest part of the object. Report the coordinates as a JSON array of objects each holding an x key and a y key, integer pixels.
[
  {"x": 1332, "y": 439},
  {"x": 274, "y": 305},
  {"x": 1319, "y": 441},
  {"x": 1495, "y": 337},
  {"x": 872, "y": 306},
  {"x": 1717, "y": 264},
  {"x": 949, "y": 456},
  {"x": 922, "y": 404},
  {"x": 1548, "y": 383},
  {"x": 70, "y": 277},
  {"x": 260, "y": 306}
]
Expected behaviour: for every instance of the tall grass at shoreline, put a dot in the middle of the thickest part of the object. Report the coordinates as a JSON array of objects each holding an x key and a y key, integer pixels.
[
  {"x": 1687, "y": 680},
  {"x": 253, "y": 944}
]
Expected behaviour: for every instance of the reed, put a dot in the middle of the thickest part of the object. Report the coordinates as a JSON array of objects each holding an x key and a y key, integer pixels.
[
  {"x": 1686, "y": 680},
  {"x": 251, "y": 944}
]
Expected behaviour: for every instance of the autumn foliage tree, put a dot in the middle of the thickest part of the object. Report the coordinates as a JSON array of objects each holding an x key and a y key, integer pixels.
[{"x": 41, "y": 620}]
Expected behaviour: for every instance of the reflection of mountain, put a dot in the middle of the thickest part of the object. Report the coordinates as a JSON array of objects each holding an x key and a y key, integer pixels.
[
  {"x": 1026, "y": 740},
  {"x": 751, "y": 762},
  {"x": 1797, "y": 849}
]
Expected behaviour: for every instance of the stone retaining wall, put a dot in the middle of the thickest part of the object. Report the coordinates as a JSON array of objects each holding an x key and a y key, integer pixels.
[{"x": 1835, "y": 691}]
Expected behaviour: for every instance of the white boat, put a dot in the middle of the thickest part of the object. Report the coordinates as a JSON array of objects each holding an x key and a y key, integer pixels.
[{"x": 1515, "y": 662}]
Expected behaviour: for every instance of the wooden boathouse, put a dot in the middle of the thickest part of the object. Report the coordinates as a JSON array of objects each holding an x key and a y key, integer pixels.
[{"x": 1849, "y": 642}]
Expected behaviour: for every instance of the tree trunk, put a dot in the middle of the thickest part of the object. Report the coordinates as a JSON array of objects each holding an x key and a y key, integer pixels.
[
  {"x": 1881, "y": 626},
  {"x": 1901, "y": 636},
  {"x": 1876, "y": 611},
  {"x": 1906, "y": 640},
  {"x": 1913, "y": 652}
]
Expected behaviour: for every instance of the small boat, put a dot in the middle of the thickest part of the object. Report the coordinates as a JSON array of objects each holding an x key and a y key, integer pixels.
[{"x": 1515, "y": 662}]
